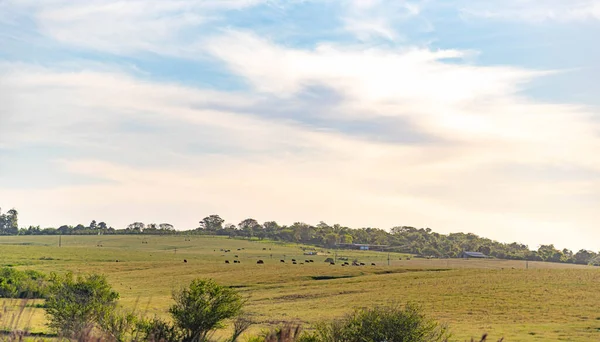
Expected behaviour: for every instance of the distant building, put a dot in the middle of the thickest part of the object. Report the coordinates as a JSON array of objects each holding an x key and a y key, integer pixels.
[
  {"x": 474, "y": 255},
  {"x": 362, "y": 247}
]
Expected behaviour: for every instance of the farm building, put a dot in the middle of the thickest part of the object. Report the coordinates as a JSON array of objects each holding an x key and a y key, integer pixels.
[
  {"x": 362, "y": 247},
  {"x": 475, "y": 255}
]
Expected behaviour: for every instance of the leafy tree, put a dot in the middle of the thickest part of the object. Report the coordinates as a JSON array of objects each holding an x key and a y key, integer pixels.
[
  {"x": 167, "y": 227},
  {"x": 331, "y": 239},
  {"x": 211, "y": 223},
  {"x": 136, "y": 227},
  {"x": 202, "y": 307},
  {"x": 77, "y": 304},
  {"x": 93, "y": 225},
  {"x": 583, "y": 257},
  {"x": 249, "y": 227}
]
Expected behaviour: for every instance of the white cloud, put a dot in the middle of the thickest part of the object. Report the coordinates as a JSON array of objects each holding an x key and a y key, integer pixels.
[
  {"x": 534, "y": 11},
  {"x": 368, "y": 19},
  {"x": 253, "y": 166},
  {"x": 127, "y": 26}
]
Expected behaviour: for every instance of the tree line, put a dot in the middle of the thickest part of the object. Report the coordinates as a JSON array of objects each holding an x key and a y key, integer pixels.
[{"x": 418, "y": 241}]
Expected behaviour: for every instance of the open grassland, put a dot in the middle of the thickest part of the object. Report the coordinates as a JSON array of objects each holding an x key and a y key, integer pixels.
[{"x": 545, "y": 302}]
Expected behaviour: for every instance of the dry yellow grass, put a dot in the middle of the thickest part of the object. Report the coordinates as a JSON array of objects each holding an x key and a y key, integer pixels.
[{"x": 544, "y": 302}]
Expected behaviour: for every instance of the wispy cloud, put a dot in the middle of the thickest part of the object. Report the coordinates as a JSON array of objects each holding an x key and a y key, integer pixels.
[
  {"x": 534, "y": 11},
  {"x": 369, "y": 19}
]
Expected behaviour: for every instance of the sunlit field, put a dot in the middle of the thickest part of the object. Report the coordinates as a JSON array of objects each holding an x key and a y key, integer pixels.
[{"x": 519, "y": 301}]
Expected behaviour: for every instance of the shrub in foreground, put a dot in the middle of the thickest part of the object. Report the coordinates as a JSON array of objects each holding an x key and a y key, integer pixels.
[
  {"x": 388, "y": 323},
  {"x": 22, "y": 284},
  {"x": 75, "y": 305},
  {"x": 202, "y": 307}
]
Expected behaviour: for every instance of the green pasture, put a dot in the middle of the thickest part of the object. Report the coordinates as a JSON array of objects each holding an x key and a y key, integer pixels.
[{"x": 511, "y": 299}]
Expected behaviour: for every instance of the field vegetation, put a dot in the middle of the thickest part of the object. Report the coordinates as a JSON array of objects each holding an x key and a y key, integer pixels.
[{"x": 518, "y": 300}]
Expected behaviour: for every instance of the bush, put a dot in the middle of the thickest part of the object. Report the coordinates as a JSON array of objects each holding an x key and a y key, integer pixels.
[
  {"x": 75, "y": 306},
  {"x": 391, "y": 323},
  {"x": 202, "y": 307},
  {"x": 117, "y": 325},
  {"x": 158, "y": 330},
  {"x": 22, "y": 284}
]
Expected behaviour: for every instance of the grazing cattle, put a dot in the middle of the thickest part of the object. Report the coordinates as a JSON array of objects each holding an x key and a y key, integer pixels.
[
  {"x": 311, "y": 260},
  {"x": 282, "y": 260},
  {"x": 362, "y": 263},
  {"x": 226, "y": 261},
  {"x": 184, "y": 260},
  {"x": 294, "y": 260},
  {"x": 306, "y": 261},
  {"x": 372, "y": 264},
  {"x": 260, "y": 262},
  {"x": 301, "y": 263},
  {"x": 346, "y": 263},
  {"x": 236, "y": 261},
  {"x": 235, "y": 256},
  {"x": 343, "y": 265},
  {"x": 332, "y": 263},
  {"x": 239, "y": 249},
  {"x": 294, "y": 263},
  {"x": 117, "y": 261},
  {"x": 264, "y": 249}
]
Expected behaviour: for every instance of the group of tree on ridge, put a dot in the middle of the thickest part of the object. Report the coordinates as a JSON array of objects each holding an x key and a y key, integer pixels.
[{"x": 406, "y": 239}]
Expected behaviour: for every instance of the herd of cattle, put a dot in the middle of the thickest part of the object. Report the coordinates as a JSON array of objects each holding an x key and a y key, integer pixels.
[{"x": 294, "y": 261}]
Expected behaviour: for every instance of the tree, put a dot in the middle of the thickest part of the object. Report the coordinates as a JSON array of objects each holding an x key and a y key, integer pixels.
[
  {"x": 202, "y": 307},
  {"x": 102, "y": 226},
  {"x": 211, "y": 223},
  {"x": 75, "y": 305},
  {"x": 166, "y": 227},
  {"x": 249, "y": 227},
  {"x": 583, "y": 257},
  {"x": 93, "y": 225},
  {"x": 331, "y": 239},
  {"x": 136, "y": 227},
  {"x": 9, "y": 223}
]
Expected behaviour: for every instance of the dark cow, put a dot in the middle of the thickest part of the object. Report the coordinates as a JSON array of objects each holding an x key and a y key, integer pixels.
[
  {"x": 332, "y": 263},
  {"x": 185, "y": 260},
  {"x": 362, "y": 264},
  {"x": 226, "y": 261},
  {"x": 260, "y": 262},
  {"x": 235, "y": 256},
  {"x": 294, "y": 260},
  {"x": 306, "y": 261},
  {"x": 372, "y": 264},
  {"x": 311, "y": 260},
  {"x": 117, "y": 261},
  {"x": 281, "y": 260}
]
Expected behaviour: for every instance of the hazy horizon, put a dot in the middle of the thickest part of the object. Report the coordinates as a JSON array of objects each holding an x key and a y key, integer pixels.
[{"x": 460, "y": 115}]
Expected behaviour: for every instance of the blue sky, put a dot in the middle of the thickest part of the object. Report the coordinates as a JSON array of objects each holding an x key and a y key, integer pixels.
[{"x": 461, "y": 115}]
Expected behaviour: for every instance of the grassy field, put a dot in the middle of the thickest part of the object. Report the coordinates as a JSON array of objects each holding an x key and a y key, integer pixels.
[{"x": 544, "y": 302}]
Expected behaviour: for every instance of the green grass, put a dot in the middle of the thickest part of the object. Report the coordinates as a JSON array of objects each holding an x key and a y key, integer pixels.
[{"x": 547, "y": 302}]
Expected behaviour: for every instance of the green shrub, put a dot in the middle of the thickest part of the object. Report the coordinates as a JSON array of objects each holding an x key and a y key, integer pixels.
[
  {"x": 75, "y": 306},
  {"x": 390, "y": 323},
  {"x": 202, "y": 307},
  {"x": 22, "y": 284},
  {"x": 118, "y": 325},
  {"x": 158, "y": 330}
]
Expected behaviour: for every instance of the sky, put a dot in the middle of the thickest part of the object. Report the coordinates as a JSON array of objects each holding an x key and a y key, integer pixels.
[{"x": 457, "y": 115}]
